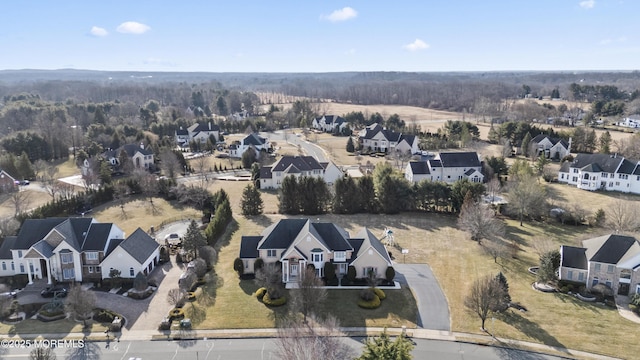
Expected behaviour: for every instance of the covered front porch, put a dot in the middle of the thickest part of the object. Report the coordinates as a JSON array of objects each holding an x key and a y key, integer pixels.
[
  {"x": 292, "y": 269},
  {"x": 37, "y": 266}
]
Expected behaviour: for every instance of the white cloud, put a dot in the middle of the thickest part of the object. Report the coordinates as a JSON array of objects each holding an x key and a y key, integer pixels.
[
  {"x": 132, "y": 27},
  {"x": 343, "y": 14},
  {"x": 588, "y": 4},
  {"x": 98, "y": 31},
  {"x": 416, "y": 45}
]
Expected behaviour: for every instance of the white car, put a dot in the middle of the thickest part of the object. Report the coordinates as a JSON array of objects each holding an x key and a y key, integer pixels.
[{"x": 172, "y": 239}]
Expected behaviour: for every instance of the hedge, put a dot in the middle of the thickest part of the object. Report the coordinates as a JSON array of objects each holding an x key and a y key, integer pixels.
[
  {"x": 266, "y": 299},
  {"x": 176, "y": 314},
  {"x": 260, "y": 292},
  {"x": 380, "y": 293},
  {"x": 373, "y": 304},
  {"x": 191, "y": 296}
]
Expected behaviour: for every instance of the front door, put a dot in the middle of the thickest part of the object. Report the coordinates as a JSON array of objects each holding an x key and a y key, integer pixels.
[
  {"x": 623, "y": 289},
  {"x": 294, "y": 270}
]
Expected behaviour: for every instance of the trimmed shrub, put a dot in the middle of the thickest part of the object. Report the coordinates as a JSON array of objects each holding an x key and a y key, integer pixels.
[
  {"x": 390, "y": 274},
  {"x": 260, "y": 293},
  {"x": 105, "y": 316},
  {"x": 258, "y": 264},
  {"x": 371, "y": 304},
  {"x": 238, "y": 266},
  {"x": 176, "y": 314},
  {"x": 379, "y": 293},
  {"x": 191, "y": 296},
  {"x": 351, "y": 273},
  {"x": 267, "y": 300}
]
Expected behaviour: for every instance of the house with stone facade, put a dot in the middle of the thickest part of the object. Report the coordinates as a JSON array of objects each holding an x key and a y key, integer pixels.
[
  {"x": 76, "y": 249},
  {"x": 613, "y": 260},
  {"x": 298, "y": 243}
]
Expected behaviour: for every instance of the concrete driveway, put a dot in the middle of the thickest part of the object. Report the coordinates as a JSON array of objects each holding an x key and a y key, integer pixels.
[{"x": 433, "y": 308}]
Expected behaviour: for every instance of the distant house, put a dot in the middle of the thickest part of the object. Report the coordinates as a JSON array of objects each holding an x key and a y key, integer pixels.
[
  {"x": 254, "y": 141},
  {"x": 329, "y": 123},
  {"x": 141, "y": 157},
  {"x": 448, "y": 167},
  {"x": 613, "y": 260},
  {"x": 377, "y": 138},
  {"x": 632, "y": 121},
  {"x": 202, "y": 132},
  {"x": 551, "y": 148},
  {"x": 602, "y": 172},
  {"x": 182, "y": 137},
  {"x": 7, "y": 182},
  {"x": 76, "y": 249},
  {"x": 298, "y": 243},
  {"x": 271, "y": 177}
]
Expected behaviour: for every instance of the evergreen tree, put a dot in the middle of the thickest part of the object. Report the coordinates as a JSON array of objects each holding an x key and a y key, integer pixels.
[
  {"x": 24, "y": 167},
  {"x": 366, "y": 198},
  {"x": 605, "y": 143},
  {"x": 350, "y": 146},
  {"x": 289, "y": 196},
  {"x": 343, "y": 200},
  {"x": 382, "y": 347},
  {"x": 193, "y": 239},
  {"x": 524, "y": 147},
  {"x": 494, "y": 136},
  {"x": 251, "y": 201},
  {"x": 502, "y": 280},
  {"x": 590, "y": 141},
  {"x": 248, "y": 158}
]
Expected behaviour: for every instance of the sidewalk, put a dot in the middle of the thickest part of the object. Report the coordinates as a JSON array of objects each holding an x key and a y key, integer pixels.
[
  {"x": 622, "y": 303},
  {"x": 147, "y": 335}
]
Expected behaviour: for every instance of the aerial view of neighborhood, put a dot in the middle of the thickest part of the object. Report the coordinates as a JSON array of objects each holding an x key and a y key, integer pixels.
[{"x": 320, "y": 181}]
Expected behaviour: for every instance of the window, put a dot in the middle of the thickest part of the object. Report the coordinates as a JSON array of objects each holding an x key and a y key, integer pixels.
[
  {"x": 617, "y": 183},
  {"x": 271, "y": 253},
  {"x": 586, "y": 176},
  {"x": 570, "y": 275},
  {"x": 98, "y": 269},
  {"x": 581, "y": 276},
  {"x": 610, "y": 183},
  {"x": 31, "y": 268},
  {"x": 66, "y": 258},
  {"x": 608, "y": 283},
  {"x": 22, "y": 268},
  {"x": 19, "y": 253},
  {"x": 574, "y": 179},
  {"x": 610, "y": 268},
  {"x": 68, "y": 273},
  {"x": 575, "y": 171},
  {"x": 604, "y": 175},
  {"x": 4, "y": 265},
  {"x": 316, "y": 257},
  {"x": 92, "y": 255},
  {"x": 595, "y": 281},
  {"x": 561, "y": 176},
  {"x": 13, "y": 266},
  {"x": 597, "y": 267},
  {"x": 340, "y": 256},
  {"x": 132, "y": 272},
  {"x": 90, "y": 269},
  {"x": 623, "y": 176}
]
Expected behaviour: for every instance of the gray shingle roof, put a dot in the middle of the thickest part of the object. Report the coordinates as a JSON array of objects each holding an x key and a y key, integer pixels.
[
  {"x": 249, "y": 247},
  {"x": 419, "y": 168},
  {"x": 573, "y": 257},
  {"x": 8, "y": 244},
  {"x": 608, "y": 163},
  {"x": 613, "y": 249},
  {"x": 97, "y": 237},
  {"x": 265, "y": 172},
  {"x": 113, "y": 244},
  {"x": 281, "y": 234},
  {"x": 254, "y": 139},
  {"x": 44, "y": 248},
  {"x": 139, "y": 245},
  {"x": 303, "y": 163},
  {"x": 334, "y": 238},
  {"x": 374, "y": 242},
  {"x": 33, "y": 230},
  {"x": 459, "y": 159}
]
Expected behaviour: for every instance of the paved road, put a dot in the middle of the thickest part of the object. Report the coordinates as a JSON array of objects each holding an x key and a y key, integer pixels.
[
  {"x": 260, "y": 348},
  {"x": 433, "y": 309},
  {"x": 308, "y": 148}
]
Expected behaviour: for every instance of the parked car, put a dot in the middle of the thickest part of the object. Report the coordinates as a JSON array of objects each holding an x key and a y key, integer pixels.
[
  {"x": 172, "y": 239},
  {"x": 52, "y": 291}
]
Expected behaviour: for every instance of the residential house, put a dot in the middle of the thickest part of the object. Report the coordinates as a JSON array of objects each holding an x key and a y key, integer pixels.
[
  {"x": 141, "y": 157},
  {"x": 254, "y": 141},
  {"x": 448, "y": 167},
  {"x": 602, "y": 172},
  {"x": 76, "y": 249},
  {"x": 377, "y": 138},
  {"x": 182, "y": 137},
  {"x": 329, "y": 123},
  {"x": 632, "y": 121},
  {"x": 551, "y": 148},
  {"x": 613, "y": 260},
  {"x": 7, "y": 182},
  {"x": 271, "y": 176},
  {"x": 201, "y": 133},
  {"x": 297, "y": 243}
]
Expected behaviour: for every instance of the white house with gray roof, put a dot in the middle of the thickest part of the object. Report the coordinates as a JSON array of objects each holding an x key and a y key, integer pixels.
[
  {"x": 271, "y": 177},
  {"x": 448, "y": 167},
  {"x": 602, "y": 172},
  {"x": 550, "y": 147},
  {"x": 253, "y": 141},
  {"x": 297, "y": 243},
  {"x": 329, "y": 123},
  {"x": 75, "y": 249},
  {"x": 379, "y": 139},
  {"x": 613, "y": 260}
]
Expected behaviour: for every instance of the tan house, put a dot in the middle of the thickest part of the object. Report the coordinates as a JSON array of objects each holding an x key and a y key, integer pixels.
[
  {"x": 613, "y": 260},
  {"x": 298, "y": 243}
]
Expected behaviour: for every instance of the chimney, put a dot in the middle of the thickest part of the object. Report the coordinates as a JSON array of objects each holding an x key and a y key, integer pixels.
[
  {"x": 209, "y": 125},
  {"x": 141, "y": 145}
]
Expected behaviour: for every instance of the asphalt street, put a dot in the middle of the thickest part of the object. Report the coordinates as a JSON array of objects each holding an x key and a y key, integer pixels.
[
  {"x": 258, "y": 348},
  {"x": 308, "y": 148}
]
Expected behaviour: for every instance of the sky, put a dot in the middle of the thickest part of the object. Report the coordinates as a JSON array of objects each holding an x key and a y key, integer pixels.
[{"x": 320, "y": 35}]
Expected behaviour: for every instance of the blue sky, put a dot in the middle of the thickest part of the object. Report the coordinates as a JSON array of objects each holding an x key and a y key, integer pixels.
[{"x": 320, "y": 36}]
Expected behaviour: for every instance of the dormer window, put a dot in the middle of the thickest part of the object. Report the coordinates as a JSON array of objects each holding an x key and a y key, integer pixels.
[{"x": 92, "y": 255}]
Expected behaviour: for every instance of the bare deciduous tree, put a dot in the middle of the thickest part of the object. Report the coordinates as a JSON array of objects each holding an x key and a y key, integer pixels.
[
  {"x": 209, "y": 255},
  {"x": 484, "y": 295},
  {"x": 48, "y": 178},
  {"x": 20, "y": 201},
  {"x": 622, "y": 216},
  {"x": 496, "y": 248},
  {"x": 8, "y": 227},
  {"x": 42, "y": 353},
  {"x": 169, "y": 163},
  {"x": 526, "y": 197},
  {"x": 90, "y": 351},
  {"x": 314, "y": 339},
  {"x": 175, "y": 296},
  {"x": 309, "y": 295},
  {"x": 479, "y": 220},
  {"x": 270, "y": 277},
  {"x": 80, "y": 303}
]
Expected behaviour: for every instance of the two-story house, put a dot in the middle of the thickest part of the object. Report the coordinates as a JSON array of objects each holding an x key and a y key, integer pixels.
[
  {"x": 613, "y": 260},
  {"x": 254, "y": 141},
  {"x": 448, "y": 167},
  {"x": 271, "y": 177},
  {"x": 297, "y": 243},
  {"x": 202, "y": 132},
  {"x": 76, "y": 249},
  {"x": 549, "y": 147},
  {"x": 377, "y": 138},
  {"x": 141, "y": 157},
  {"x": 602, "y": 172},
  {"x": 329, "y": 123}
]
